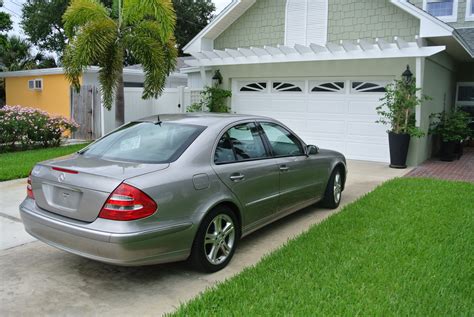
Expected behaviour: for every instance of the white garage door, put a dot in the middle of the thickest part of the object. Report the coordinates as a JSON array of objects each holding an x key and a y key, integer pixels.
[{"x": 333, "y": 114}]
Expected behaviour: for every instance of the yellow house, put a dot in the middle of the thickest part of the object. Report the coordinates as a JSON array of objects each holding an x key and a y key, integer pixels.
[
  {"x": 46, "y": 89},
  {"x": 49, "y": 90}
]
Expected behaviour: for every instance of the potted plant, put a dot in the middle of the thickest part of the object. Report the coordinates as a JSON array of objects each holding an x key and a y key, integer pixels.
[
  {"x": 452, "y": 129},
  {"x": 398, "y": 112}
]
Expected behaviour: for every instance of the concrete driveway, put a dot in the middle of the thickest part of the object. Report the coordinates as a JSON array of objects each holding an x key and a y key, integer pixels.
[{"x": 37, "y": 279}]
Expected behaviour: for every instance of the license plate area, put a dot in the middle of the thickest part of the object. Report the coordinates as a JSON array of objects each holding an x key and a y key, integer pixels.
[{"x": 62, "y": 197}]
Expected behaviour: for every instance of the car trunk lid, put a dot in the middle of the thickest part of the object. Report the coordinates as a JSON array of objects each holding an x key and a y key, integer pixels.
[{"x": 77, "y": 187}]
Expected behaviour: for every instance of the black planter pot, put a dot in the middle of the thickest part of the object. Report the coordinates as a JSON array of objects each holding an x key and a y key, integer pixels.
[
  {"x": 398, "y": 144},
  {"x": 448, "y": 151}
]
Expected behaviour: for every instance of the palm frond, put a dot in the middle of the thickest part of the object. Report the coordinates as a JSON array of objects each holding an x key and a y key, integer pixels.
[
  {"x": 111, "y": 67},
  {"x": 82, "y": 12},
  {"x": 153, "y": 55},
  {"x": 88, "y": 47},
  {"x": 161, "y": 11}
]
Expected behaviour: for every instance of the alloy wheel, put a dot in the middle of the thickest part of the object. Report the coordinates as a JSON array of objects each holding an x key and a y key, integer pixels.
[
  {"x": 337, "y": 187},
  {"x": 219, "y": 239}
]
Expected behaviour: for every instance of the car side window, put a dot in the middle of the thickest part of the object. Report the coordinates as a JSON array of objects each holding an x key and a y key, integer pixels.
[
  {"x": 283, "y": 142},
  {"x": 241, "y": 142}
]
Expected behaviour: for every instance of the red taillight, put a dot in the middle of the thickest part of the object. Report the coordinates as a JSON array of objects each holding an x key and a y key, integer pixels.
[
  {"x": 127, "y": 203},
  {"x": 29, "y": 189}
]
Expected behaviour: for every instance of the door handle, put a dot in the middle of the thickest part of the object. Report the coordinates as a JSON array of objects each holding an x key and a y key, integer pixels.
[
  {"x": 237, "y": 177},
  {"x": 284, "y": 168}
]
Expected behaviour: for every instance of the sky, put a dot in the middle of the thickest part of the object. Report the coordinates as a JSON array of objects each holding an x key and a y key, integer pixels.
[{"x": 13, "y": 7}]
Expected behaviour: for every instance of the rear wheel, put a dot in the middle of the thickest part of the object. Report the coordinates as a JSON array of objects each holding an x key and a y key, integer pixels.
[
  {"x": 333, "y": 194},
  {"x": 216, "y": 240}
]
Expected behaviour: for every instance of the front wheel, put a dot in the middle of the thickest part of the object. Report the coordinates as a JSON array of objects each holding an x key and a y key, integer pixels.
[
  {"x": 333, "y": 194},
  {"x": 216, "y": 240}
]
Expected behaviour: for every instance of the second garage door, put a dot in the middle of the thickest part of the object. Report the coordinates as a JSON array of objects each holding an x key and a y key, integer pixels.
[{"x": 334, "y": 114}]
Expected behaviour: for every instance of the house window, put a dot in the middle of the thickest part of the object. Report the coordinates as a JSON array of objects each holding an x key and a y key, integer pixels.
[
  {"x": 446, "y": 10},
  {"x": 254, "y": 87},
  {"x": 465, "y": 94},
  {"x": 280, "y": 86},
  {"x": 364, "y": 87},
  {"x": 470, "y": 10},
  {"x": 35, "y": 84},
  {"x": 334, "y": 87}
]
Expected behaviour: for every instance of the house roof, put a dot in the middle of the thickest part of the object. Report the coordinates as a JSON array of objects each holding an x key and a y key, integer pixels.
[
  {"x": 346, "y": 50},
  {"x": 218, "y": 25},
  {"x": 60, "y": 70},
  {"x": 466, "y": 36}
]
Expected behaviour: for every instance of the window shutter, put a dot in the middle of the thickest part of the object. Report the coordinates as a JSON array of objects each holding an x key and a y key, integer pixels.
[
  {"x": 306, "y": 22},
  {"x": 317, "y": 22},
  {"x": 296, "y": 22}
]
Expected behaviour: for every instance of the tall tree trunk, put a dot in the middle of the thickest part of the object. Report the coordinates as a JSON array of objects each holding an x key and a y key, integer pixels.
[{"x": 119, "y": 102}]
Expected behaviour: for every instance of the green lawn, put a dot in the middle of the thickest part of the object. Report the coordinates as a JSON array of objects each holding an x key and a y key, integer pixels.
[
  {"x": 405, "y": 249},
  {"x": 19, "y": 164}
]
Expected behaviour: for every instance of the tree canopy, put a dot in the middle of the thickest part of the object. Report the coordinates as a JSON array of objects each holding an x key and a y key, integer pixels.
[
  {"x": 192, "y": 17},
  {"x": 141, "y": 29},
  {"x": 43, "y": 25}
]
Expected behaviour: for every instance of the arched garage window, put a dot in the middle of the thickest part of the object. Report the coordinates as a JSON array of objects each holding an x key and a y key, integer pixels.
[
  {"x": 253, "y": 87},
  {"x": 333, "y": 86},
  {"x": 282, "y": 86},
  {"x": 365, "y": 86}
]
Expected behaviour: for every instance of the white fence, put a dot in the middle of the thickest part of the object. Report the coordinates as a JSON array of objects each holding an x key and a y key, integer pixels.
[{"x": 173, "y": 100}]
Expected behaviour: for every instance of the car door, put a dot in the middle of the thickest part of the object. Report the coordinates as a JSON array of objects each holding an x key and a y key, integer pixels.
[
  {"x": 300, "y": 175},
  {"x": 243, "y": 164}
]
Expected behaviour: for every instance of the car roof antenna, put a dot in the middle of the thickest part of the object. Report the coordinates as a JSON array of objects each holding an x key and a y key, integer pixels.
[{"x": 158, "y": 121}]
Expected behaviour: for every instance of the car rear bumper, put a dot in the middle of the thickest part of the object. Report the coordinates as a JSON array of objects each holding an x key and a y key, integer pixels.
[{"x": 160, "y": 245}]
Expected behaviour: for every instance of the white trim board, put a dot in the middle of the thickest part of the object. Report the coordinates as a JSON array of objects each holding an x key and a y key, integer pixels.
[{"x": 299, "y": 53}]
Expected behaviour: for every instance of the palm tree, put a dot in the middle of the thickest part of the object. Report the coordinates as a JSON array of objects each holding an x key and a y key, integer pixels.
[
  {"x": 142, "y": 29},
  {"x": 15, "y": 54}
]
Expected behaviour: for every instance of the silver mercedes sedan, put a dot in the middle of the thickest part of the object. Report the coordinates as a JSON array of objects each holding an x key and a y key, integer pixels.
[{"x": 175, "y": 187}]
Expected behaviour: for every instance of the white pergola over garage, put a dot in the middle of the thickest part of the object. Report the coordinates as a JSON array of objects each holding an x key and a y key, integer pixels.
[{"x": 345, "y": 50}]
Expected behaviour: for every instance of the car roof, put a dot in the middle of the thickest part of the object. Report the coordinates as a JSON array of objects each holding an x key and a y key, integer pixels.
[{"x": 203, "y": 118}]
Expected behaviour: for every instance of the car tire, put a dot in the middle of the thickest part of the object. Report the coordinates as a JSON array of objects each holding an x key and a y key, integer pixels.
[
  {"x": 333, "y": 194},
  {"x": 214, "y": 245}
]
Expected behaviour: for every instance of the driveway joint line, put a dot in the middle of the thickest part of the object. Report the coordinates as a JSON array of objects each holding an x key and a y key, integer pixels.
[{"x": 10, "y": 217}]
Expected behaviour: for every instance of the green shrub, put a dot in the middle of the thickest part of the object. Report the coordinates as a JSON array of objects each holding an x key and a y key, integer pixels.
[
  {"x": 24, "y": 128},
  {"x": 213, "y": 99}
]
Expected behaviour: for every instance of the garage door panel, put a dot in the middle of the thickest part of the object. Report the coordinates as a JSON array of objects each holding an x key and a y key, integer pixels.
[
  {"x": 342, "y": 121},
  {"x": 367, "y": 151},
  {"x": 338, "y": 127},
  {"x": 288, "y": 105},
  {"x": 364, "y": 108},
  {"x": 365, "y": 128},
  {"x": 326, "y": 106}
]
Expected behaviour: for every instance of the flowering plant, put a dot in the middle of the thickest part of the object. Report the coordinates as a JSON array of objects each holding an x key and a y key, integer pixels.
[{"x": 26, "y": 127}]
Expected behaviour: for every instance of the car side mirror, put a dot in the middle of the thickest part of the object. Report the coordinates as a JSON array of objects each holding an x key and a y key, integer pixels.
[{"x": 311, "y": 150}]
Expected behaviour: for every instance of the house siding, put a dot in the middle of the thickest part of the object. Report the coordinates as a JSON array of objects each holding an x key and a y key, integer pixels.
[
  {"x": 262, "y": 24},
  {"x": 54, "y": 98},
  {"x": 461, "y": 20},
  {"x": 368, "y": 19}
]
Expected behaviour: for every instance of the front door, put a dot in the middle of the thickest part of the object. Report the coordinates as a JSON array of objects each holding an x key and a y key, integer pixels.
[{"x": 244, "y": 166}]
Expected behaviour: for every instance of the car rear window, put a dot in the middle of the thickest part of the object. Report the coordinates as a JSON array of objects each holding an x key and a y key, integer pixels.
[{"x": 145, "y": 142}]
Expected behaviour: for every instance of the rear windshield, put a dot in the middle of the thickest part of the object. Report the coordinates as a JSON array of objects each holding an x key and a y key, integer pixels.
[{"x": 145, "y": 142}]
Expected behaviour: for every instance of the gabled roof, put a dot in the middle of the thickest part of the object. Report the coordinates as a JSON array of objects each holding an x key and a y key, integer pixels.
[{"x": 218, "y": 25}]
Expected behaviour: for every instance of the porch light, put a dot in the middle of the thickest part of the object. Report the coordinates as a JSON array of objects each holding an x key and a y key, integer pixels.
[
  {"x": 407, "y": 75},
  {"x": 217, "y": 78}
]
